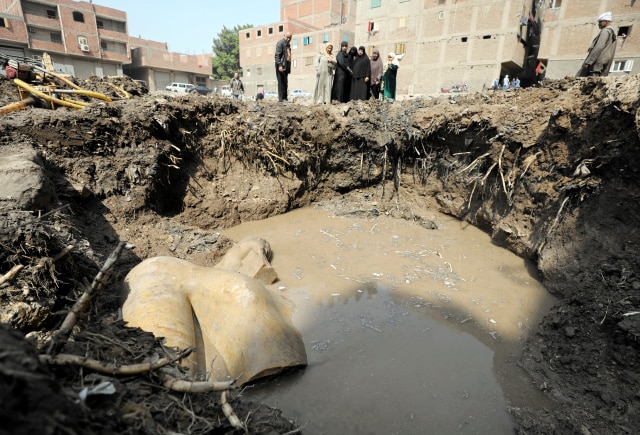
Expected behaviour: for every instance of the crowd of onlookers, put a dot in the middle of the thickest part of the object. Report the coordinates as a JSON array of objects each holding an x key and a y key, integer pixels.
[{"x": 348, "y": 75}]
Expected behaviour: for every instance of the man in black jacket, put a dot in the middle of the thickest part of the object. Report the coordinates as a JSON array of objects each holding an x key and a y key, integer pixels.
[
  {"x": 283, "y": 65},
  {"x": 342, "y": 77}
]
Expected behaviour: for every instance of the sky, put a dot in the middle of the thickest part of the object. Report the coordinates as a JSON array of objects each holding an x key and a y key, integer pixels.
[{"x": 189, "y": 26}]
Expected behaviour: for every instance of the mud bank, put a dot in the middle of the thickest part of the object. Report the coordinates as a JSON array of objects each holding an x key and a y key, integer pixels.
[{"x": 550, "y": 172}]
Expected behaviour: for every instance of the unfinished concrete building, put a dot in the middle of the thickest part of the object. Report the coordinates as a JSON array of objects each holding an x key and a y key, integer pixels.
[
  {"x": 313, "y": 23},
  {"x": 567, "y": 28}
]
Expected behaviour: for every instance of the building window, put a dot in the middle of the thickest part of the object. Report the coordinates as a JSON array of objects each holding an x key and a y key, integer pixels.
[
  {"x": 400, "y": 48},
  {"x": 201, "y": 81},
  {"x": 555, "y": 4},
  {"x": 247, "y": 35},
  {"x": 103, "y": 45},
  {"x": 259, "y": 71},
  {"x": 56, "y": 38},
  {"x": 4, "y": 22},
  {"x": 376, "y": 3},
  {"x": 51, "y": 14},
  {"x": 624, "y": 31},
  {"x": 294, "y": 43},
  {"x": 270, "y": 30},
  {"x": 486, "y": 37},
  {"x": 308, "y": 60},
  {"x": 622, "y": 66},
  {"x": 280, "y": 28},
  {"x": 307, "y": 40},
  {"x": 346, "y": 37},
  {"x": 325, "y": 38},
  {"x": 99, "y": 24},
  {"x": 441, "y": 15},
  {"x": 259, "y": 33},
  {"x": 77, "y": 16},
  {"x": 295, "y": 63},
  {"x": 464, "y": 39},
  {"x": 402, "y": 22}
]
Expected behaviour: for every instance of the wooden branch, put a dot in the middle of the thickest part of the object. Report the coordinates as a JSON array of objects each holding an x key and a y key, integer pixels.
[
  {"x": 43, "y": 261},
  {"x": 553, "y": 224},
  {"x": 504, "y": 187},
  {"x": 484, "y": 179},
  {"x": 474, "y": 163},
  {"x": 228, "y": 411},
  {"x": 111, "y": 369},
  {"x": 12, "y": 273},
  {"x": 85, "y": 299},
  {"x": 182, "y": 386}
]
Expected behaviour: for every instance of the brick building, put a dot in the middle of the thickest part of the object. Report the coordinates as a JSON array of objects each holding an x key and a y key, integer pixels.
[
  {"x": 569, "y": 26},
  {"x": 444, "y": 42},
  {"x": 313, "y": 23},
  {"x": 86, "y": 39}
]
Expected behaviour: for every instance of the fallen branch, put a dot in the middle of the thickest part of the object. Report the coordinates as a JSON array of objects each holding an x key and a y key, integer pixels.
[
  {"x": 474, "y": 163},
  {"x": 12, "y": 273},
  {"x": 43, "y": 261},
  {"x": 85, "y": 299},
  {"x": 484, "y": 179},
  {"x": 182, "y": 386},
  {"x": 553, "y": 224},
  {"x": 471, "y": 195},
  {"x": 528, "y": 162},
  {"x": 504, "y": 186},
  {"x": 111, "y": 369},
  {"x": 228, "y": 412}
]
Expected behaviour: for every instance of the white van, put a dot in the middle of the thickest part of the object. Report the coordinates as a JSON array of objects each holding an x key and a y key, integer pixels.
[
  {"x": 182, "y": 88},
  {"x": 226, "y": 91}
]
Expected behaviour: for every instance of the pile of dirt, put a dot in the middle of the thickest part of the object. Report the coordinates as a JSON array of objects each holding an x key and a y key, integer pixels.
[{"x": 550, "y": 172}]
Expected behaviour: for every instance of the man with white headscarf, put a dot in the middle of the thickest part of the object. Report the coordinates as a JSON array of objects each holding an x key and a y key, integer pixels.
[{"x": 601, "y": 51}]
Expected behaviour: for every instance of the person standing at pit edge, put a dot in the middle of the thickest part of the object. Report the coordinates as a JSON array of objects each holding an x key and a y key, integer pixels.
[
  {"x": 342, "y": 78},
  {"x": 601, "y": 51},
  {"x": 376, "y": 74},
  {"x": 389, "y": 78},
  {"x": 237, "y": 88},
  {"x": 283, "y": 65}
]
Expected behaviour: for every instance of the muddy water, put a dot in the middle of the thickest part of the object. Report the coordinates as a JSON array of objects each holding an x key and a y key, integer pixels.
[{"x": 408, "y": 330}]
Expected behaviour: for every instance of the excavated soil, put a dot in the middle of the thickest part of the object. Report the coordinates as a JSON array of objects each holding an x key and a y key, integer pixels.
[{"x": 551, "y": 172}]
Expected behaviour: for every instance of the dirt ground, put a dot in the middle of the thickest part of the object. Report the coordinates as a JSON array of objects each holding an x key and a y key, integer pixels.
[{"x": 551, "y": 172}]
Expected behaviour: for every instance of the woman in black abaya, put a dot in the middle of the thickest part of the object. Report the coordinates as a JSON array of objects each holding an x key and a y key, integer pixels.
[{"x": 361, "y": 76}]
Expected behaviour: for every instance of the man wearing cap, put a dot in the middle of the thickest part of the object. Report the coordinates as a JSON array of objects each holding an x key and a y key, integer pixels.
[{"x": 601, "y": 51}]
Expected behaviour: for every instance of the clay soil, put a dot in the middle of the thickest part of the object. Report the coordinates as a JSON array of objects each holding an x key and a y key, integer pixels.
[{"x": 551, "y": 172}]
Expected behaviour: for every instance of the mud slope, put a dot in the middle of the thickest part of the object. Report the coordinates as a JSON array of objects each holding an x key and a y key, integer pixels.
[{"x": 550, "y": 172}]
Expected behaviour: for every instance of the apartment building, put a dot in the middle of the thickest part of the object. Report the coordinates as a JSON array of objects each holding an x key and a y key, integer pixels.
[
  {"x": 152, "y": 62},
  {"x": 85, "y": 39},
  {"x": 569, "y": 26},
  {"x": 82, "y": 38},
  {"x": 312, "y": 23},
  {"x": 447, "y": 42}
]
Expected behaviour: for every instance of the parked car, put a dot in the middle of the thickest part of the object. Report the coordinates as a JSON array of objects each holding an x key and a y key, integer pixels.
[
  {"x": 270, "y": 95},
  {"x": 299, "y": 93},
  {"x": 181, "y": 88},
  {"x": 202, "y": 90},
  {"x": 226, "y": 91}
]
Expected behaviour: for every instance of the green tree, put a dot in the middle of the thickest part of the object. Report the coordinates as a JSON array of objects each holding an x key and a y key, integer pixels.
[{"x": 226, "y": 49}]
